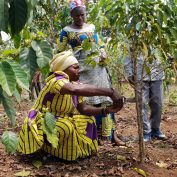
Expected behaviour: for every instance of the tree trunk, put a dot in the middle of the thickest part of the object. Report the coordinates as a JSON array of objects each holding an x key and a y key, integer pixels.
[{"x": 139, "y": 102}]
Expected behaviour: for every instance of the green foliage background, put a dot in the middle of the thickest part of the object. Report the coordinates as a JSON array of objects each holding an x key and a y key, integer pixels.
[{"x": 34, "y": 27}]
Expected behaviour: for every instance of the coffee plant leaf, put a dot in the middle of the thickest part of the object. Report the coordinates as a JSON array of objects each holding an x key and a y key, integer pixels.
[
  {"x": 10, "y": 141},
  {"x": 7, "y": 78}
]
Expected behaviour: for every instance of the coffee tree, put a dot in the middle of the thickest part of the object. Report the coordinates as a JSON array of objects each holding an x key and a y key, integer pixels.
[{"x": 144, "y": 25}]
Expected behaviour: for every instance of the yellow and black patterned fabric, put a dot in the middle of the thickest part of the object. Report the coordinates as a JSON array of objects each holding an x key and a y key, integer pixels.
[{"x": 77, "y": 134}]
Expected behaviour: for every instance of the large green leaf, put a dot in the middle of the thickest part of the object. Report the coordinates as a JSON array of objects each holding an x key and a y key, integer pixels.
[
  {"x": 43, "y": 52},
  {"x": 4, "y": 15},
  {"x": 31, "y": 5},
  {"x": 50, "y": 121},
  {"x": 10, "y": 140},
  {"x": 28, "y": 61},
  {"x": 8, "y": 106},
  {"x": 7, "y": 78},
  {"x": 52, "y": 138},
  {"x": 18, "y": 15},
  {"x": 21, "y": 76},
  {"x": 48, "y": 126},
  {"x": 17, "y": 95}
]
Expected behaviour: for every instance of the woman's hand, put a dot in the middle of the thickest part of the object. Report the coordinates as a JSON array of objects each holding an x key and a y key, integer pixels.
[
  {"x": 114, "y": 108},
  {"x": 117, "y": 99}
]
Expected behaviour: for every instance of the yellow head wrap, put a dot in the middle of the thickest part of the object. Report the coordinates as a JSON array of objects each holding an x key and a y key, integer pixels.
[{"x": 62, "y": 61}]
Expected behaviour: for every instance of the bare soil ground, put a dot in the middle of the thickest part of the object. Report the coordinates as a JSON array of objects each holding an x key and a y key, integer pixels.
[{"x": 111, "y": 160}]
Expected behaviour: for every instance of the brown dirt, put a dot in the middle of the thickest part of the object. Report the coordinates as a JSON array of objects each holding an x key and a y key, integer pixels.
[{"x": 111, "y": 160}]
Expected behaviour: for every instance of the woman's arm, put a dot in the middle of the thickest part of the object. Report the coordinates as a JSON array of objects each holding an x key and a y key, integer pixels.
[
  {"x": 91, "y": 90},
  {"x": 85, "y": 90},
  {"x": 88, "y": 110},
  {"x": 85, "y": 109}
]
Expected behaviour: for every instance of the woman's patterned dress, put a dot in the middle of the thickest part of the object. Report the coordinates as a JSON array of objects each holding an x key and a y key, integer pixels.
[{"x": 77, "y": 134}]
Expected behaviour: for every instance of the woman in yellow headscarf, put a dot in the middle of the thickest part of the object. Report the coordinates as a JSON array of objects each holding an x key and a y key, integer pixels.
[{"x": 62, "y": 96}]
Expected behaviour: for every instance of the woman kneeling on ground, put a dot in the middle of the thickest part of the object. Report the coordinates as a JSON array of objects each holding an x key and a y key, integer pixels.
[{"x": 62, "y": 95}]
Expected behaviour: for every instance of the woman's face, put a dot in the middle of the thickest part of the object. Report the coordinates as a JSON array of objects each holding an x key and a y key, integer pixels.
[
  {"x": 73, "y": 72},
  {"x": 79, "y": 16}
]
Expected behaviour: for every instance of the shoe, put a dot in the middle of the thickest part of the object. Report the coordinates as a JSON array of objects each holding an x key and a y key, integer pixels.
[
  {"x": 158, "y": 134},
  {"x": 147, "y": 137}
]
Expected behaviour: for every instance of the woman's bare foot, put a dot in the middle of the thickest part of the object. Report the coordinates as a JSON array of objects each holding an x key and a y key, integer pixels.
[
  {"x": 103, "y": 140},
  {"x": 100, "y": 142},
  {"x": 116, "y": 141}
]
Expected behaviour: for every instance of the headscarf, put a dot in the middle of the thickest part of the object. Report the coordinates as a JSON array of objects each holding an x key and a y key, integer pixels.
[
  {"x": 62, "y": 61},
  {"x": 76, "y": 3}
]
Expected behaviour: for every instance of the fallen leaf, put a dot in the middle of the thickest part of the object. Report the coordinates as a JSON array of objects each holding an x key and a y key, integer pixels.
[
  {"x": 100, "y": 165},
  {"x": 162, "y": 164},
  {"x": 23, "y": 173},
  {"x": 37, "y": 163},
  {"x": 120, "y": 157},
  {"x": 72, "y": 168},
  {"x": 140, "y": 171}
]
